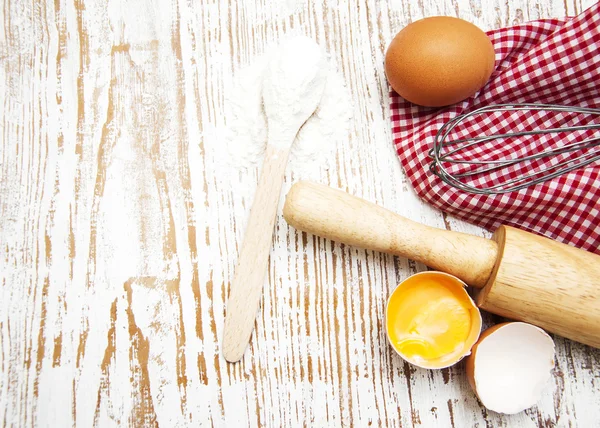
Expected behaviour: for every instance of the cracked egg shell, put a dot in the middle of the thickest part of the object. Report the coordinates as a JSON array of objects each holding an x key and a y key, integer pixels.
[{"x": 510, "y": 365}]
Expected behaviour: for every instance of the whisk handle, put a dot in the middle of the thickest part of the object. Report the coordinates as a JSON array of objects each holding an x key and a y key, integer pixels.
[{"x": 341, "y": 217}]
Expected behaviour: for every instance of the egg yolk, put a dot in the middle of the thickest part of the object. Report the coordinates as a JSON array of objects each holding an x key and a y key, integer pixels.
[{"x": 429, "y": 319}]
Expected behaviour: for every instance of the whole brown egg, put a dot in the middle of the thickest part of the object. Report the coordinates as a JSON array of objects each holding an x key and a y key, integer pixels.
[{"x": 439, "y": 60}]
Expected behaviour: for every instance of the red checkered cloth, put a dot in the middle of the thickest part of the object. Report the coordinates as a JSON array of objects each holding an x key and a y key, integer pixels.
[{"x": 553, "y": 61}]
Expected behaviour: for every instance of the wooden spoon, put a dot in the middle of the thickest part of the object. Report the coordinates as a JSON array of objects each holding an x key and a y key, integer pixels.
[{"x": 292, "y": 89}]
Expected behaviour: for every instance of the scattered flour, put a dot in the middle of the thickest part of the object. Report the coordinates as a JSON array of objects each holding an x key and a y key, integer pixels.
[{"x": 315, "y": 143}]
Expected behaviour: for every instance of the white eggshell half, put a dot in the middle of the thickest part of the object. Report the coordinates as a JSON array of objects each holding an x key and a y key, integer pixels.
[{"x": 511, "y": 366}]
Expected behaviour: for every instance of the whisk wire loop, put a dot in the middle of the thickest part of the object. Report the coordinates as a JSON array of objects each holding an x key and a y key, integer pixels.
[{"x": 486, "y": 164}]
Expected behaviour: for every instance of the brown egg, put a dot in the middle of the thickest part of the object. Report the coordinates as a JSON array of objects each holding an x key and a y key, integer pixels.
[{"x": 439, "y": 60}]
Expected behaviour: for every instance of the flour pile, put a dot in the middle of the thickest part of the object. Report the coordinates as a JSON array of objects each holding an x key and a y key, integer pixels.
[{"x": 313, "y": 148}]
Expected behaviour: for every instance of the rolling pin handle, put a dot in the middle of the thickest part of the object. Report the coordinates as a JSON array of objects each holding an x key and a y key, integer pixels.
[{"x": 336, "y": 215}]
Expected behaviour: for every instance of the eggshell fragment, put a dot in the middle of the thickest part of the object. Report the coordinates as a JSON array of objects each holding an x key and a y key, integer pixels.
[
  {"x": 510, "y": 365},
  {"x": 439, "y": 60}
]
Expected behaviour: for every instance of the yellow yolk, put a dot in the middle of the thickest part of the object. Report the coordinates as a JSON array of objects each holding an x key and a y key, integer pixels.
[{"x": 430, "y": 318}]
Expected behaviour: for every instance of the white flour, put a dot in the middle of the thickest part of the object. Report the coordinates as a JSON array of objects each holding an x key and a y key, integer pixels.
[
  {"x": 313, "y": 148},
  {"x": 292, "y": 88}
]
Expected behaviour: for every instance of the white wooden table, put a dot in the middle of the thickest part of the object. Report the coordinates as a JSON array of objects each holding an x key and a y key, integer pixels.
[{"x": 119, "y": 231}]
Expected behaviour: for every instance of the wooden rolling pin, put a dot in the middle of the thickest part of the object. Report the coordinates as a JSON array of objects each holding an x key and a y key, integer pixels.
[{"x": 520, "y": 275}]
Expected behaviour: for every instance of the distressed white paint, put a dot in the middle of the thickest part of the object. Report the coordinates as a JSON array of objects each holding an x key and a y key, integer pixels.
[{"x": 119, "y": 231}]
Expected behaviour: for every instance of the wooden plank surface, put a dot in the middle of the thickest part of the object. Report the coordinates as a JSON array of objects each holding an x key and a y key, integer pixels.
[{"x": 120, "y": 227}]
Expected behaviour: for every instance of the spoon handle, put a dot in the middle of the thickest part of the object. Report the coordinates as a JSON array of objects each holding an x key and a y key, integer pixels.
[{"x": 246, "y": 288}]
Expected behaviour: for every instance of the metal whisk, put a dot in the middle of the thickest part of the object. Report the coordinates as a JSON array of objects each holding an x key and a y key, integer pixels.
[{"x": 502, "y": 148}]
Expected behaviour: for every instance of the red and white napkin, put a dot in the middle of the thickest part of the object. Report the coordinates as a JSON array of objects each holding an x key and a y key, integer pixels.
[{"x": 551, "y": 61}]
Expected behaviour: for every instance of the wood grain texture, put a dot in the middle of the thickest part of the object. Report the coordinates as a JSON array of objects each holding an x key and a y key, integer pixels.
[{"x": 120, "y": 227}]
